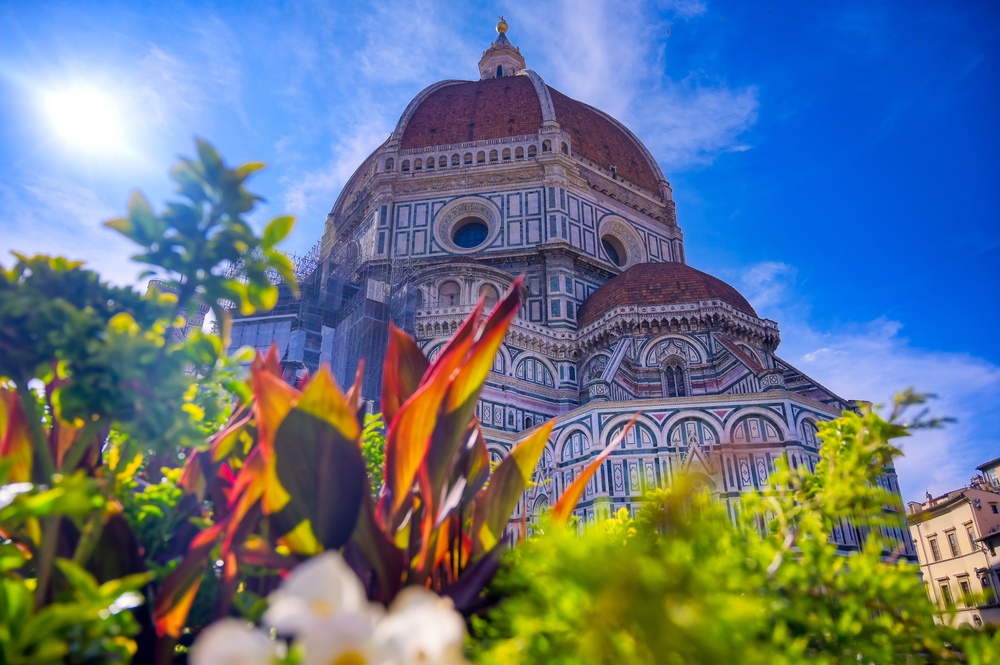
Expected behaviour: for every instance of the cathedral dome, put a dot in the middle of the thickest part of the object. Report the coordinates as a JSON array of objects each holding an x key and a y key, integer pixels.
[
  {"x": 454, "y": 112},
  {"x": 659, "y": 284}
]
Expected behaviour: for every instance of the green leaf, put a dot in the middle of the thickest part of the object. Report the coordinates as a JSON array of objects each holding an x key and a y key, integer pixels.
[
  {"x": 323, "y": 473},
  {"x": 276, "y": 231},
  {"x": 83, "y": 582}
]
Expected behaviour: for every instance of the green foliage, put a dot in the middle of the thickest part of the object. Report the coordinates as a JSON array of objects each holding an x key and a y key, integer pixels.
[
  {"x": 373, "y": 450},
  {"x": 117, "y": 393},
  {"x": 683, "y": 581}
]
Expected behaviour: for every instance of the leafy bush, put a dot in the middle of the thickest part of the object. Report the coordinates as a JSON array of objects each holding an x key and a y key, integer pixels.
[{"x": 682, "y": 581}]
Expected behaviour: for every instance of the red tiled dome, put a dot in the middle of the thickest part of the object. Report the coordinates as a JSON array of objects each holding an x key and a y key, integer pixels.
[
  {"x": 509, "y": 106},
  {"x": 659, "y": 284}
]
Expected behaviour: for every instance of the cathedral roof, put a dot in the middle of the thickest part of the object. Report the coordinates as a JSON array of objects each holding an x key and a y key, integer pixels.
[
  {"x": 452, "y": 112},
  {"x": 659, "y": 284}
]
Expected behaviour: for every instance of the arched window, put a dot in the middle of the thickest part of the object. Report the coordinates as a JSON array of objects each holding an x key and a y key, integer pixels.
[
  {"x": 406, "y": 165},
  {"x": 810, "y": 434},
  {"x": 565, "y": 148},
  {"x": 489, "y": 292},
  {"x": 506, "y": 154},
  {"x": 534, "y": 371},
  {"x": 639, "y": 436},
  {"x": 595, "y": 368},
  {"x": 442, "y": 162},
  {"x": 532, "y": 151},
  {"x": 546, "y": 146},
  {"x": 754, "y": 429},
  {"x": 389, "y": 164},
  {"x": 576, "y": 445},
  {"x": 493, "y": 155},
  {"x": 529, "y": 422},
  {"x": 449, "y": 294},
  {"x": 430, "y": 163},
  {"x": 674, "y": 379},
  {"x": 480, "y": 157},
  {"x": 692, "y": 432},
  {"x": 468, "y": 158},
  {"x": 455, "y": 160},
  {"x": 470, "y": 232},
  {"x": 498, "y": 365},
  {"x": 518, "y": 153},
  {"x": 418, "y": 165},
  {"x": 499, "y": 71}
]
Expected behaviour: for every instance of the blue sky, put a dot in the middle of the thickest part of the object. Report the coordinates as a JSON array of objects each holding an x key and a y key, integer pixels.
[{"x": 836, "y": 161}]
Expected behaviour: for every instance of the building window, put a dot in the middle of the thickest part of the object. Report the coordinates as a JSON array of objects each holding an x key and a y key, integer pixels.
[
  {"x": 554, "y": 284},
  {"x": 993, "y": 507},
  {"x": 674, "y": 384},
  {"x": 987, "y": 589},
  {"x": 506, "y": 154},
  {"x": 966, "y": 591},
  {"x": 389, "y": 164},
  {"x": 470, "y": 232},
  {"x": 529, "y": 422},
  {"x": 972, "y": 536},
  {"x": 532, "y": 150},
  {"x": 494, "y": 156},
  {"x": 946, "y": 598},
  {"x": 480, "y": 157},
  {"x": 418, "y": 165},
  {"x": 565, "y": 149},
  {"x": 570, "y": 309},
  {"x": 499, "y": 71},
  {"x": 468, "y": 158},
  {"x": 572, "y": 373},
  {"x": 613, "y": 249},
  {"x": 455, "y": 160},
  {"x": 953, "y": 541},
  {"x": 518, "y": 153},
  {"x": 534, "y": 371},
  {"x": 442, "y": 162},
  {"x": 430, "y": 163},
  {"x": 406, "y": 165},
  {"x": 546, "y": 146},
  {"x": 935, "y": 550},
  {"x": 754, "y": 429},
  {"x": 556, "y": 309},
  {"x": 489, "y": 293},
  {"x": 448, "y": 294}
]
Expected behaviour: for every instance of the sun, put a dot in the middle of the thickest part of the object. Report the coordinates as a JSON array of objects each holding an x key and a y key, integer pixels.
[{"x": 86, "y": 118}]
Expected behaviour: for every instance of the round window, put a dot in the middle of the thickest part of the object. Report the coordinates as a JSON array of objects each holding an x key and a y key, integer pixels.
[
  {"x": 614, "y": 250},
  {"x": 470, "y": 232}
]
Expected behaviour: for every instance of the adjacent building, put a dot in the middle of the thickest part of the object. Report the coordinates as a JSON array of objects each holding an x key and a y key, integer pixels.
[{"x": 957, "y": 539}]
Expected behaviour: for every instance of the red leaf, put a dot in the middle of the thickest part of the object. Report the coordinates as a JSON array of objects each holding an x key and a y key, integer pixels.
[
  {"x": 567, "y": 502},
  {"x": 405, "y": 366}
]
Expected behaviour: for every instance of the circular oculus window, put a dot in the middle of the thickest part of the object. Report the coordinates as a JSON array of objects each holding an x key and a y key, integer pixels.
[
  {"x": 614, "y": 250},
  {"x": 470, "y": 232}
]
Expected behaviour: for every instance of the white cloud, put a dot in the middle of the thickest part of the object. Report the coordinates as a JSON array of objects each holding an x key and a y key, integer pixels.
[
  {"x": 872, "y": 361},
  {"x": 614, "y": 56}
]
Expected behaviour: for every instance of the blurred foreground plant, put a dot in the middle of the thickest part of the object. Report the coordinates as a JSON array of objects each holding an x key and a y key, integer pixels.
[{"x": 684, "y": 582}]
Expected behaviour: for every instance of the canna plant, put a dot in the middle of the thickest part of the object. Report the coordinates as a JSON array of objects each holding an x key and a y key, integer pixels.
[{"x": 302, "y": 487}]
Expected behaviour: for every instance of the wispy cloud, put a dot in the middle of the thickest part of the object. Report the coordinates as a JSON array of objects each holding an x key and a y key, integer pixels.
[
  {"x": 47, "y": 216},
  {"x": 873, "y": 360},
  {"x": 615, "y": 56}
]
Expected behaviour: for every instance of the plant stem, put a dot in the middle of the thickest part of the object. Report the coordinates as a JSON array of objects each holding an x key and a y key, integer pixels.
[
  {"x": 39, "y": 441},
  {"x": 50, "y": 538}
]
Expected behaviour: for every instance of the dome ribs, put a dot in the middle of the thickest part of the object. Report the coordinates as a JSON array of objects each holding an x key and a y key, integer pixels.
[
  {"x": 487, "y": 106},
  {"x": 600, "y": 141}
]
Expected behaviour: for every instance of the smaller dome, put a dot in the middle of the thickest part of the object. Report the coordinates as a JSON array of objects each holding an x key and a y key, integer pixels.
[{"x": 659, "y": 284}]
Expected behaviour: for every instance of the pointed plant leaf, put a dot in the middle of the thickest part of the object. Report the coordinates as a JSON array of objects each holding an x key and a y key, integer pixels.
[
  {"x": 567, "y": 502},
  {"x": 276, "y": 231},
  {"x": 404, "y": 367},
  {"x": 383, "y": 555},
  {"x": 494, "y": 507},
  {"x": 324, "y": 474}
]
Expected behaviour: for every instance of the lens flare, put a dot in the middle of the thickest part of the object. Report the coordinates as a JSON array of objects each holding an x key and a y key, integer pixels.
[{"x": 85, "y": 118}]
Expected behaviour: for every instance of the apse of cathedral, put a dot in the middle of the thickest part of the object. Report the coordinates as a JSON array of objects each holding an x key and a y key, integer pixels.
[{"x": 482, "y": 181}]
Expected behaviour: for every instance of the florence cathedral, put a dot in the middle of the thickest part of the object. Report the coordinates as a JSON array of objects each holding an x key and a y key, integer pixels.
[{"x": 485, "y": 180}]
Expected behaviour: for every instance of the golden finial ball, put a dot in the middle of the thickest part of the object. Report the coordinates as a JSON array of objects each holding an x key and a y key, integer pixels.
[{"x": 502, "y": 26}]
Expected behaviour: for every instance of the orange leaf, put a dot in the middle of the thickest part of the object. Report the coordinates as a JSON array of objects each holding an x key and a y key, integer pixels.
[
  {"x": 15, "y": 442},
  {"x": 273, "y": 400},
  {"x": 410, "y": 433},
  {"x": 323, "y": 399},
  {"x": 405, "y": 365},
  {"x": 567, "y": 502}
]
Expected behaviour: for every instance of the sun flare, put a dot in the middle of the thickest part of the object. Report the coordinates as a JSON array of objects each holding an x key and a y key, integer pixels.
[{"x": 86, "y": 118}]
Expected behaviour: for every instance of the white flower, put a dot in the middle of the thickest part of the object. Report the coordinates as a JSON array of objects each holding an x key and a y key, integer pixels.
[
  {"x": 232, "y": 642},
  {"x": 317, "y": 591},
  {"x": 342, "y": 640},
  {"x": 421, "y": 627}
]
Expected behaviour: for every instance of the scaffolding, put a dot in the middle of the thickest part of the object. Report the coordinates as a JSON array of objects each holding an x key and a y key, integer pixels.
[{"x": 348, "y": 298}]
